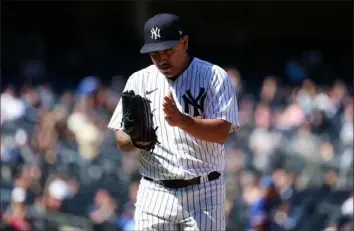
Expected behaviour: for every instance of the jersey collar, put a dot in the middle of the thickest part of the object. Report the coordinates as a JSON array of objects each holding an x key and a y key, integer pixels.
[{"x": 188, "y": 65}]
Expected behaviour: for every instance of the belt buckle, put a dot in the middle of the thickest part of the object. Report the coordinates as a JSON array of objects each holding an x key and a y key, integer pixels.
[{"x": 204, "y": 178}]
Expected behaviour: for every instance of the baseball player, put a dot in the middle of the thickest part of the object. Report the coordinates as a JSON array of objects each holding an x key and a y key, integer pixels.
[{"x": 193, "y": 108}]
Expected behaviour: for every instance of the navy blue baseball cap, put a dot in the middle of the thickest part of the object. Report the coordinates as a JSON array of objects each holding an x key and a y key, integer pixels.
[{"x": 162, "y": 32}]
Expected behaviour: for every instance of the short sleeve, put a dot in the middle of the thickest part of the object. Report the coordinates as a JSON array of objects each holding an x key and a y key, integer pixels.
[
  {"x": 116, "y": 119},
  {"x": 222, "y": 100}
]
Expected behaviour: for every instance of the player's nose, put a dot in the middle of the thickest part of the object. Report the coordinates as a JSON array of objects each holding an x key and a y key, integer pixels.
[{"x": 163, "y": 56}]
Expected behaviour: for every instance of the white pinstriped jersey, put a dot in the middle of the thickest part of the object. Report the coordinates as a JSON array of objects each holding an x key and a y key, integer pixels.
[{"x": 203, "y": 90}]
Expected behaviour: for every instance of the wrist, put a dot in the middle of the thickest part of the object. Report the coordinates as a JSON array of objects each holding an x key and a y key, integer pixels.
[
  {"x": 141, "y": 144},
  {"x": 185, "y": 121}
]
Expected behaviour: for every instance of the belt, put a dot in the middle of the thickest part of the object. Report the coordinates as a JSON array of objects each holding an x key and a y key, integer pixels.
[{"x": 176, "y": 184}]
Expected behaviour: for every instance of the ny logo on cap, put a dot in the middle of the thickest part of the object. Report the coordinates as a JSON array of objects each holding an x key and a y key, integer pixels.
[{"x": 155, "y": 33}]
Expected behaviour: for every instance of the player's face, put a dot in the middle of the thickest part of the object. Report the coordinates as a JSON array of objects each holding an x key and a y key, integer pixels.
[{"x": 172, "y": 61}]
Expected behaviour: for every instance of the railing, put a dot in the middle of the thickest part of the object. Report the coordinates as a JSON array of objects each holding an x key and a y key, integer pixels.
[
  {"x": 56, "y": 222},
  {"x": 65, "y": 222}
]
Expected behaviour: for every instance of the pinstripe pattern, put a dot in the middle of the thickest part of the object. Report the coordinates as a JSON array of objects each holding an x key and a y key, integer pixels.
[
  {"x": 179, "y": 155},
  {"x": 194, "y": 208}
]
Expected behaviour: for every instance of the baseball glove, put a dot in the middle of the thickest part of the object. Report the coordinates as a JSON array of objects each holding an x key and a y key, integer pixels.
[{"x": 137, "y": 120}]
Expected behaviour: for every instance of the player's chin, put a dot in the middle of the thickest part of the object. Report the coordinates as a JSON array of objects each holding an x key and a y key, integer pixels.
[{"x": 167, "y": 72}]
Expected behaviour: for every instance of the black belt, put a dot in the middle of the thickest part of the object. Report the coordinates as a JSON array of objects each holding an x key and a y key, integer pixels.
[{"x": 176, "y": 184}]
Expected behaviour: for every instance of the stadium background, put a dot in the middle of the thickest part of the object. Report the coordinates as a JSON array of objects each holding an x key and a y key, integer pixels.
[{"x": 292, "y": 63}]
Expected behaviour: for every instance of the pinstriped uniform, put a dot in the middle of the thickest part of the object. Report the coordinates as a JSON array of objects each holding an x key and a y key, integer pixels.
[{"x": 203, "y": 90}]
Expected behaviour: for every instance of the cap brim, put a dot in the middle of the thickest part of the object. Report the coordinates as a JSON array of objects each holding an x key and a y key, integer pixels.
[{"x": 152, "y": 47}]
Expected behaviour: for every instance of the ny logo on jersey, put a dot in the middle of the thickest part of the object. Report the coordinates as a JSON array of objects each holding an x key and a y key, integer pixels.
[
  {"x": 196, "y": 103},
  {"x": 155, "y": 33}
]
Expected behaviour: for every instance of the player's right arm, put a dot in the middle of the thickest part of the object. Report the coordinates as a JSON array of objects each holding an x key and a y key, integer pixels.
[{"x": 123, "y": 140}]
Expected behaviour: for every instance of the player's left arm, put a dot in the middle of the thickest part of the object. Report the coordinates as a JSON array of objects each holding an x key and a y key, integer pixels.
[
  {"x": 211, "y": 130},
  {"x": 221, "y": 112}
]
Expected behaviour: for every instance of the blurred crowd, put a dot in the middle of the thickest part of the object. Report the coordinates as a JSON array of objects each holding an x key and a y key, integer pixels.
[{"x": 290, "y": 167}]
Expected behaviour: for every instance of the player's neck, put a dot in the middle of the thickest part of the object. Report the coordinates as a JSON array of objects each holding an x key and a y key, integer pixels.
[{"x": 187, "y": 62}]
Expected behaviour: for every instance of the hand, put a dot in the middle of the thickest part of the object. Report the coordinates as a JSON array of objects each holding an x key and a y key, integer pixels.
[
  {"x": 172, "y": 115},
  {"x": 141, "y": 145},
  {"x": 97, "y": 217}
]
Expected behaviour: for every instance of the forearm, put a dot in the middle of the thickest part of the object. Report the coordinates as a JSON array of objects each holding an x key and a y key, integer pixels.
[
  {"x": 123, "y": 142},
  {"x": 212, "y": 130}
]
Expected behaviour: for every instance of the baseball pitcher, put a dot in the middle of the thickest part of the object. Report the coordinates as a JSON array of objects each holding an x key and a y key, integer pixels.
[{"x": 177, "y": 113}]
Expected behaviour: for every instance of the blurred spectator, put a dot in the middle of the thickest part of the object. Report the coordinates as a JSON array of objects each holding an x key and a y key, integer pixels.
[
  {"x": 12, "y": 108},
  {"x": 271, "y": 93},
  {"x": 56, "y": 192},
  {"x": 346, "y": 132},
  {"x": 246, "y": 108},
  {"x": 323, "y": 103},
  {"x": 31, "y": 99},
  {"x": 262, "y": 205},
  {"x": 65, "y": 104},
  {"x": 263, "y": 141},
  {"x": 305, "y": 143},
  {"x": 129, "y": 164},
  {"x": 236, "y": 80},
  {"x": 289, "y": 118},
  {"x": 347, "y": 221},
  {"x": 338, "y": 94},
  {"x": 10, "y": 152},
  {"x": 295, "y": 71},
  {"x": 78, "y": 118},
  {"x": 285, "y": 218},
  {"x": 52, "y": 201},
  {"x": 89, "y": 141},
  {"x": 284, "y": 182},
  {"x": 104, "y": 209},
  {"x": 126, "y": 220},
  {"x": 236, "y": 161},
  {"x": 347, "y": 207},
  {"x": 305, "y": 96},
  {"x": 46, "y": 96},
  {"x": 117, "y": 83},
  {"x": 87, "y": 86},
  {"x": 23, "y": 144},
  {"x": 16, "y": 216},
  {"x": 45, "y": 137}
]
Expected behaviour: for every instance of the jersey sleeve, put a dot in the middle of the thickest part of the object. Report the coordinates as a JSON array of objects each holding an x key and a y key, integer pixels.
[
  {"x": 222, "y": 100},
  {"x": 116, "y": 119}
]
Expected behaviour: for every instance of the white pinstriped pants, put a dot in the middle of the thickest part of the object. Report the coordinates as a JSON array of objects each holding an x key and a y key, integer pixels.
[{"x": 200, "y": 207}]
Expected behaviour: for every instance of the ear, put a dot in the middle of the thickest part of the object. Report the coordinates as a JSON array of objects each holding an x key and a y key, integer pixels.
[{"x": 185, "y": 42}]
